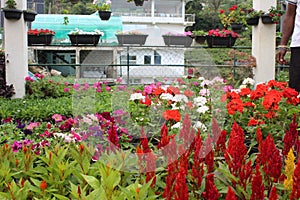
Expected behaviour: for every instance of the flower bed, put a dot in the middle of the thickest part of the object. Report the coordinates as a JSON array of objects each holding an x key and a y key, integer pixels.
[{"x": 193, "y": 139}]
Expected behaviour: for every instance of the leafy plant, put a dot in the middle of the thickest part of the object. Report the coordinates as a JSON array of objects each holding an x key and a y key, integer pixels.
[
  {"x": 275, "y": 14},
  {"x": 11, "y": 4},
  {"x": 199, "y": 33},
  {"x": 105, "y": 6},
  {"x": 237, "y": 14}
]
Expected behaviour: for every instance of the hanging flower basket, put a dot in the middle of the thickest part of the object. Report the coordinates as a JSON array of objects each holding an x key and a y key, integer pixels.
[
  {"x": 40, "y": 36},
  {"x": 39, "y": 39},
  {"x": 84, "y": 39},
  {"x": 139, "y": 39},
  {"x": 236, "y": 26},
  {"x": 104, "y": 15},
  {"x": 12, "y": 13},
  {"x": 253, "y": 21},
  {"x": 200, "y": 39},
  {"x": 266, "y": 19},
  {"x": 220, "y": 41},
  {"x": 178, "y": 40},
  {"x": 29, "y": 16},
  {"x": 139, "y": 2}
]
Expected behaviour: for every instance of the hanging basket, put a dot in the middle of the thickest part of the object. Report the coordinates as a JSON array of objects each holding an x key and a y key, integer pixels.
[
  {"x": 84, "y": 39},
  {"x": 131, "y": 39},
  {"x": 266, "y": 19},
  {"x": 12, "y": 13},
  {"x": 40, "y": 39},
  {"x": 104, "y": 15},
  {"x": 236, "y": 26},
  {"x": 177, "y": 40},
  {"x": 29, "y": 16},
  {"x": 200, "y": 39},
  {"x": 253, "y": 21},
  {"x": 139, "y": 2},
  {"x": 220, "y": 41}
]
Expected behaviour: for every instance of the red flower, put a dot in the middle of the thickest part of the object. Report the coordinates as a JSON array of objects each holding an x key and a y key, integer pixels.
[
  {"x": 290, "y": 138},
  {"x": 221, "y": 11},
  {"x": 230, "y": 194},
  {"x": 273, "y": 194},
  {"x": 257, "y": 186},
  {"x": 211, "y": 192},
  {"x": 296, "y": 183},
  {"x": 172, "y": 115},
  {"x": 235, "y": 105},
  {"x": 188, "y": 93},
  {"x": 43, "y": 185}
]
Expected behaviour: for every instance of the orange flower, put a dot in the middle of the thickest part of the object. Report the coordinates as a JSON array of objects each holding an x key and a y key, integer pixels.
[
  {"x": 43, "y": 185},
  {"x": 172, "y": 115}
]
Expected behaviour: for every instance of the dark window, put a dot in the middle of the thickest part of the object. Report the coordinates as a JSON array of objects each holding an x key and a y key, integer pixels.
[
  {"x": 157, "y": 58},
  {"x": 147, "y": 59}
]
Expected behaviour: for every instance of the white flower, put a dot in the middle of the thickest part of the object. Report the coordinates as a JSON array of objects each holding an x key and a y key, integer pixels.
[
  {"x": 201, "y": 78},
  {"x": 177, "y": 125},
  {"x": 205, "y": 83},
  {"x": 202, "y": 109},
  {"x": 166, "y": 96},
  {"x": 248, "y": 81},
  {"x": 204, "y": 92},
  {"x": 180, "y": 97},
  {"x": 242, "y": 86},
  {"x": 174, "y": 106},
  {"x": 218, "y": 79},
  {"x": 136, "y": 96},
  {"x": 200, "y": 101},
  {"x": 200, "y": 125}
]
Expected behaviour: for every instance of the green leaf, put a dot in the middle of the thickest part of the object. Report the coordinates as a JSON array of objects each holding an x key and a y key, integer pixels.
[
  {"x": 60, "y": 197},
  {"x": 92, "y": 181}
]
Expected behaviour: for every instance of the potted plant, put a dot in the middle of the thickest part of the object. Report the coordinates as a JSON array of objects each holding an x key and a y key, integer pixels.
[
  {"x": 137, "y": 2},
  {"x": 103, "y": 10},
  {"x": 200, "y": 36},
  {"x": 11, "y": 11},
  {"x": 235, "y": 18},
  {"x": 222, "y": 38},
  {"x": 131, "y": 37},
  {"x": 80, "y": 37},
  {"x": 272, "y": 16},
  {"x": 184, "y": 39},
  {"x": 40, "y": 36},
  {"x": 252, "y": 18},
  {"x": 29, "y": 15}
]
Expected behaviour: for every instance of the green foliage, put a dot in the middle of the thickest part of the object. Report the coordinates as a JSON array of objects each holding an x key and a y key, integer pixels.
[{"x": 11, "y": 4}]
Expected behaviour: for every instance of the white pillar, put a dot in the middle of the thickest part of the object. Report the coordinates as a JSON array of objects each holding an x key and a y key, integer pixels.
[
  {"x": 263, "y": 44},
  {"x": 16, "y": 53}
]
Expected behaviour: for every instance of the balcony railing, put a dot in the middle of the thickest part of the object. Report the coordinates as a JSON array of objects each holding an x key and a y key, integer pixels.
[{"x": 157, "y": 18}]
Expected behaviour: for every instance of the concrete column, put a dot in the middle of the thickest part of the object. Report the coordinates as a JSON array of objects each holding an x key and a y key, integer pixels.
[
  {"x": 263, "y": 45},
  {"x": 15, "y": 41}
]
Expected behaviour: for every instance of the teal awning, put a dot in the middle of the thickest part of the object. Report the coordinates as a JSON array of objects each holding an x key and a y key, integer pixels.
[{"x": 55, "y": 22}]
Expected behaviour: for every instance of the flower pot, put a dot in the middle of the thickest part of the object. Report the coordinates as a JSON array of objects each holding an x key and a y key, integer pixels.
[
  {"x": 132, "y": 39},
  {"x": 40, "y": 39},
  {"x": 200, "y": 39},
  {"x": 266, "y": 19},
  {"x": 29, "y": 16},
  {"x": 253, "y": 21},
  {"x": 139, "y": 2},
  {"x": 220, "y": 41},
  {"x": 83, "y": 39},
  {"x": 177, "y": 40},
  {"x": 236, "y": 26},
  {"x": 12, "y": 13},
  {"x": 104, "y": 15}
]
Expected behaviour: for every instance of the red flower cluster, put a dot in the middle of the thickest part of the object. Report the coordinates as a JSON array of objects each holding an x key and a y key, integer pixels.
[
  {"x": 222, "y": 33},
  {"x": 296, "y": 183},
  {"x": 40, "y": 32},
  {"x": 172, "y": 115}
]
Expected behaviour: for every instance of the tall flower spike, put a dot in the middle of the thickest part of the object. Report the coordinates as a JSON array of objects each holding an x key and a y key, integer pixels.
[
  {"x": 296, "y": 183},
  {"x": 289, "y": 170},
  {"x": 230, "y": 194},
  {"x": 257, "y": 186},
  {"x": 273, "y": 194},
  {"x": 211, "y": 192}
]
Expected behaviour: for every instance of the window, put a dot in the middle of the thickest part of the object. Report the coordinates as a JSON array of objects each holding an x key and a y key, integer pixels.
[
  {"x": 123, "y": 60},
  {"x": 157, "y": 58},
  {"x": 147, "y": 59}
]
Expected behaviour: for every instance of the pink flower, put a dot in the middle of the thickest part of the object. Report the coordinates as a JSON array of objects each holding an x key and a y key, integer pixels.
[
  {"x": 57, "y": 118},
  {"x": 66, "y": 89}
]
